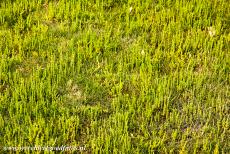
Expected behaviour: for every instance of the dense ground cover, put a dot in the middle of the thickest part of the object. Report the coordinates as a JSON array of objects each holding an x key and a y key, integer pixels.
[{"x": 116, "y": 76}]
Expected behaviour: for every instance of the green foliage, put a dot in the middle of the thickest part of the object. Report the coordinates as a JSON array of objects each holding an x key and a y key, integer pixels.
[{"x": 136, "y": 76}]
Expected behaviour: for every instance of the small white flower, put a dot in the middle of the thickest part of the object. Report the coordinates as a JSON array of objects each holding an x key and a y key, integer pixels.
[
  {"x": 143, "y": 52},
  {"x": 130, "y": 9},
  {"x": 132, "y": 135},
  {"x": 211, "y": 31}
]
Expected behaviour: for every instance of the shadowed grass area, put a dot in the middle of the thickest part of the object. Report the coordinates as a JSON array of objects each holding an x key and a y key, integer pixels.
[{"x": 115, "y": 76}]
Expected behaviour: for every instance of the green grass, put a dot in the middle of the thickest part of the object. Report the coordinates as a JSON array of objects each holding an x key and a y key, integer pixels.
[{"x": 132, "y": 76}]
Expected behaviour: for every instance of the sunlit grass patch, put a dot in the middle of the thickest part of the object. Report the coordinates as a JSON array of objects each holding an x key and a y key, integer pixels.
[{"x": 115, "y": 76}]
